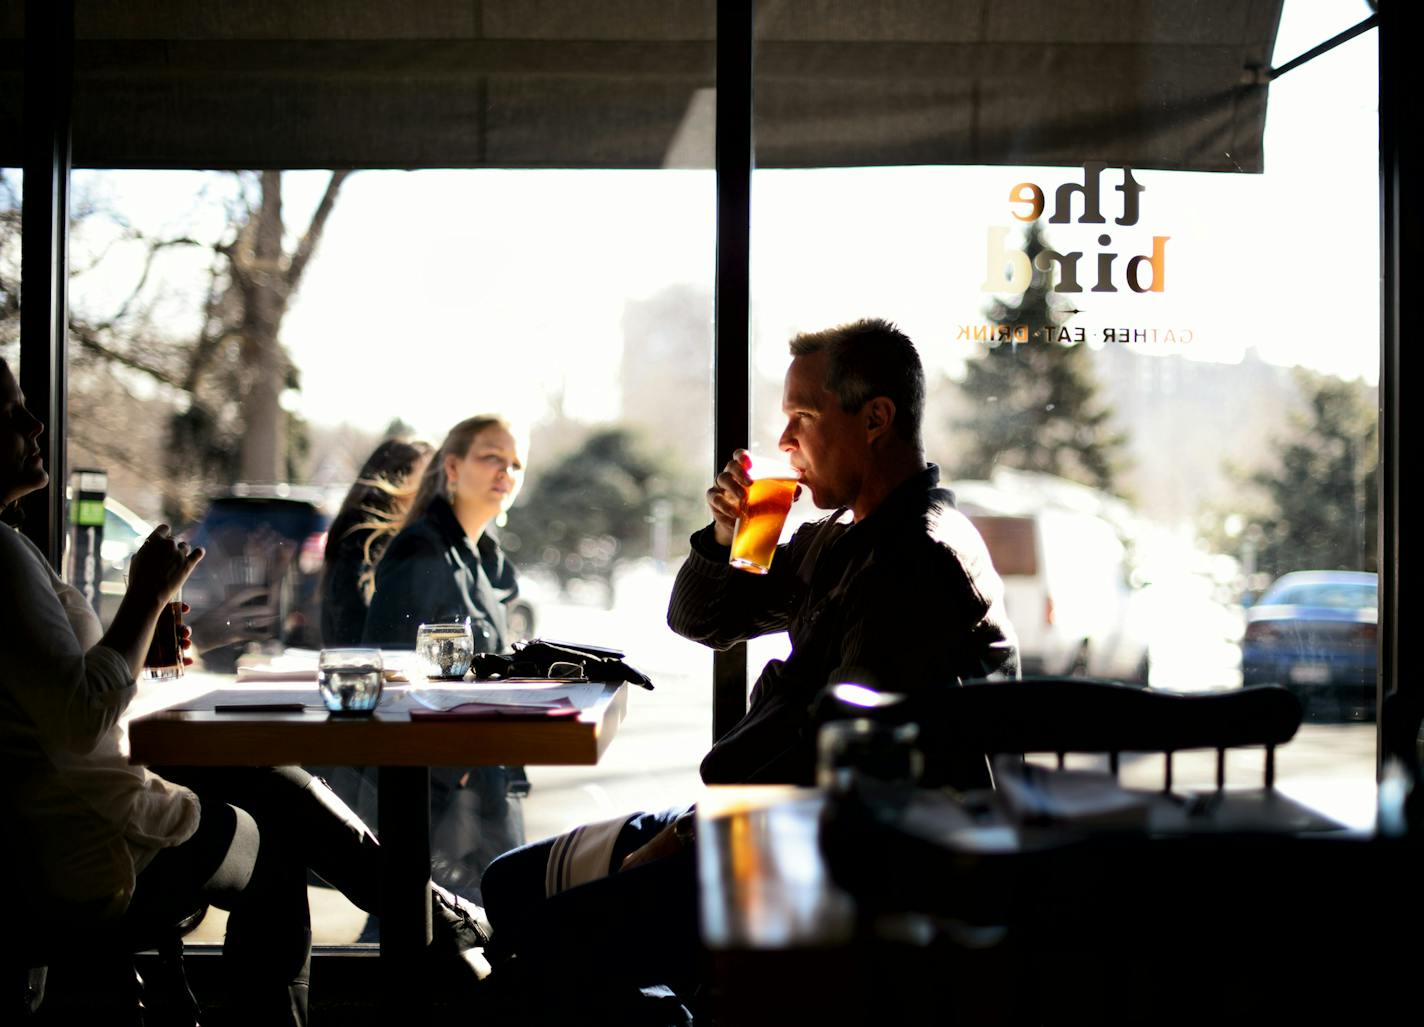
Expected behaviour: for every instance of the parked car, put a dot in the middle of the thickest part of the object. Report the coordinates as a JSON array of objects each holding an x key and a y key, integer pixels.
[
  {"x": 1066, "y": 591},
  {"x": 1314, "y": 632},
  {"x": 260, "y": 580}
]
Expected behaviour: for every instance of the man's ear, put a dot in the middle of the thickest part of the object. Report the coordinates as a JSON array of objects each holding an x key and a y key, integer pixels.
[{"x": 879, "y": 415}]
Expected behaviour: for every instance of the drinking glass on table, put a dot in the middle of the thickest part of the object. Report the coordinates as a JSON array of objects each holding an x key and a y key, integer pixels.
[
  {"x": 763, "y": 516},
  {"x": 444, "y": 650},
  {"x": 350, "y": 679}
]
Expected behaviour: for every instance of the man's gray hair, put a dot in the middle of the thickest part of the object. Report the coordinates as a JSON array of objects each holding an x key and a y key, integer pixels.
[{"x": 870, "y": 358}]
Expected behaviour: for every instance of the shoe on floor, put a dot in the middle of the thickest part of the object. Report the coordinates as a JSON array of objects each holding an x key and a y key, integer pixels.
[{"x": 457, "y": 926}]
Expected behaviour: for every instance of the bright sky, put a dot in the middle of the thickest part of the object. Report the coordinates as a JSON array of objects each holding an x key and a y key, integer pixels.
[{"x": 438, "y": 294}]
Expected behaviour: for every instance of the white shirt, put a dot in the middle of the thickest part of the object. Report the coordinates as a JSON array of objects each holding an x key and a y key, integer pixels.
[{"x": 87, "y": 818}]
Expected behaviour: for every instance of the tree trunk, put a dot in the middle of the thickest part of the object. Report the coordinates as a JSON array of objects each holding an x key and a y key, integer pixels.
[{"x": 265, "y": 443}]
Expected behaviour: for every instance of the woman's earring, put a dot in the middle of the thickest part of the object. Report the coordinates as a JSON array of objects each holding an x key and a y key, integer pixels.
[{"x": 450, "y": 490}]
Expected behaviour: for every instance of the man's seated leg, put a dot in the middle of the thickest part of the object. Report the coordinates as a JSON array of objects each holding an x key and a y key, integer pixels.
[{"x": 625, "y": 929}]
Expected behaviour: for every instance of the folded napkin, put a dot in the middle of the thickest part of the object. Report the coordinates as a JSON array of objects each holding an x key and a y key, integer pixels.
[
  {"x": 495, "y": 711},
  {"x": 250, "y": 674},
  {"x": 245, "y": 674}
]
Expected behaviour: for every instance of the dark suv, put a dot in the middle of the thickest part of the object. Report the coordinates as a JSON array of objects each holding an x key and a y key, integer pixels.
[{"x": 261, "y": 577}]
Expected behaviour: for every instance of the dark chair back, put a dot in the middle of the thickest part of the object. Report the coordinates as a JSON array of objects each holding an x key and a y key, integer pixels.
[
  {"x": 1079, "y": 715},
  {"x": 1063, "y": 715}
]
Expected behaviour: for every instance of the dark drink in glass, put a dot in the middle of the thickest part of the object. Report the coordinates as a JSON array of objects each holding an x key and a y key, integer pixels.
[{"x": 165, "y": 652}]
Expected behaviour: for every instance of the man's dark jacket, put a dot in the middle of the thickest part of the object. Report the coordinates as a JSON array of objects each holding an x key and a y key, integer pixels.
[{"x": 905, "y": 599}]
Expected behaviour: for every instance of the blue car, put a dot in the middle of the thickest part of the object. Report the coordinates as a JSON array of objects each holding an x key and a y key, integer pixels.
[{"x": 1314, "y": 632}]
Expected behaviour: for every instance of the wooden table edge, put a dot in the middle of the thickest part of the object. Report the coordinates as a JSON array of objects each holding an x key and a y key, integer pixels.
[{"x": 194, "y": 738}]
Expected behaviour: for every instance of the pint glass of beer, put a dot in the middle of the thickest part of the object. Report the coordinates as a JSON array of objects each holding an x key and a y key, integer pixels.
[{"x": 759, "y": 527}]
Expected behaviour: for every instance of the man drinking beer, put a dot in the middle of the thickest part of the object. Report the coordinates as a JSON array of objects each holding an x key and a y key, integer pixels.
[{"x": 894, "y": 589}]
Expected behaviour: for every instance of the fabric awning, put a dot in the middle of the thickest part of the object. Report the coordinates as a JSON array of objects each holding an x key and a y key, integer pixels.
[{"x": 631, "y": 83}]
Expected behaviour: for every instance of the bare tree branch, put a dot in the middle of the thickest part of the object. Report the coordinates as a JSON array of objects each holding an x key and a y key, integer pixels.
[
  {"x": 309, "y": 240},
  {"x": 216, "y": 329},
  {"x": 233, "y": 368},
  {"x": 118, "y": 454},
  {"x": 88, "y": 339},
  {"x": 207, "y": 346},
  {"x": 154, "y": 248}
]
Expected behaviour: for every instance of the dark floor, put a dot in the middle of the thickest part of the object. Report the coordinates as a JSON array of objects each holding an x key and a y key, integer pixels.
[{"x": 345, "y": 992}]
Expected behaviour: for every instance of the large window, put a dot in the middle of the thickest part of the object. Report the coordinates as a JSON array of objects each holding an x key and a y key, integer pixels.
[
  {"x": 1171, "y": 408},
  {"x": 241, "y": 341},
  {"x": 576, "y": 303},
  {"x": 1151, "y": 329}
]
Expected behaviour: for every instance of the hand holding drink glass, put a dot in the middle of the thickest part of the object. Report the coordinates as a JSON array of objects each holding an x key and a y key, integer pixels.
[
  {"x": 165, "y": 657},
  {"x": 158, "y": 571},
  {"x": 754, "y": 494}
]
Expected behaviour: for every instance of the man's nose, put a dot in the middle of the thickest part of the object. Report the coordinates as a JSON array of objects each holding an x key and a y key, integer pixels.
[{"x": 787, "y": 441}]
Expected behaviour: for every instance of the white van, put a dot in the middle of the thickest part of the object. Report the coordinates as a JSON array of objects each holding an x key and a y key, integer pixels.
[{"x": 1066, "y": 590}]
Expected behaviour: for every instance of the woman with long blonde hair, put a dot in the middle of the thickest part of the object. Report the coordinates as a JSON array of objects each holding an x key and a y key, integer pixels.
[{"x": 446, "y": 566}]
